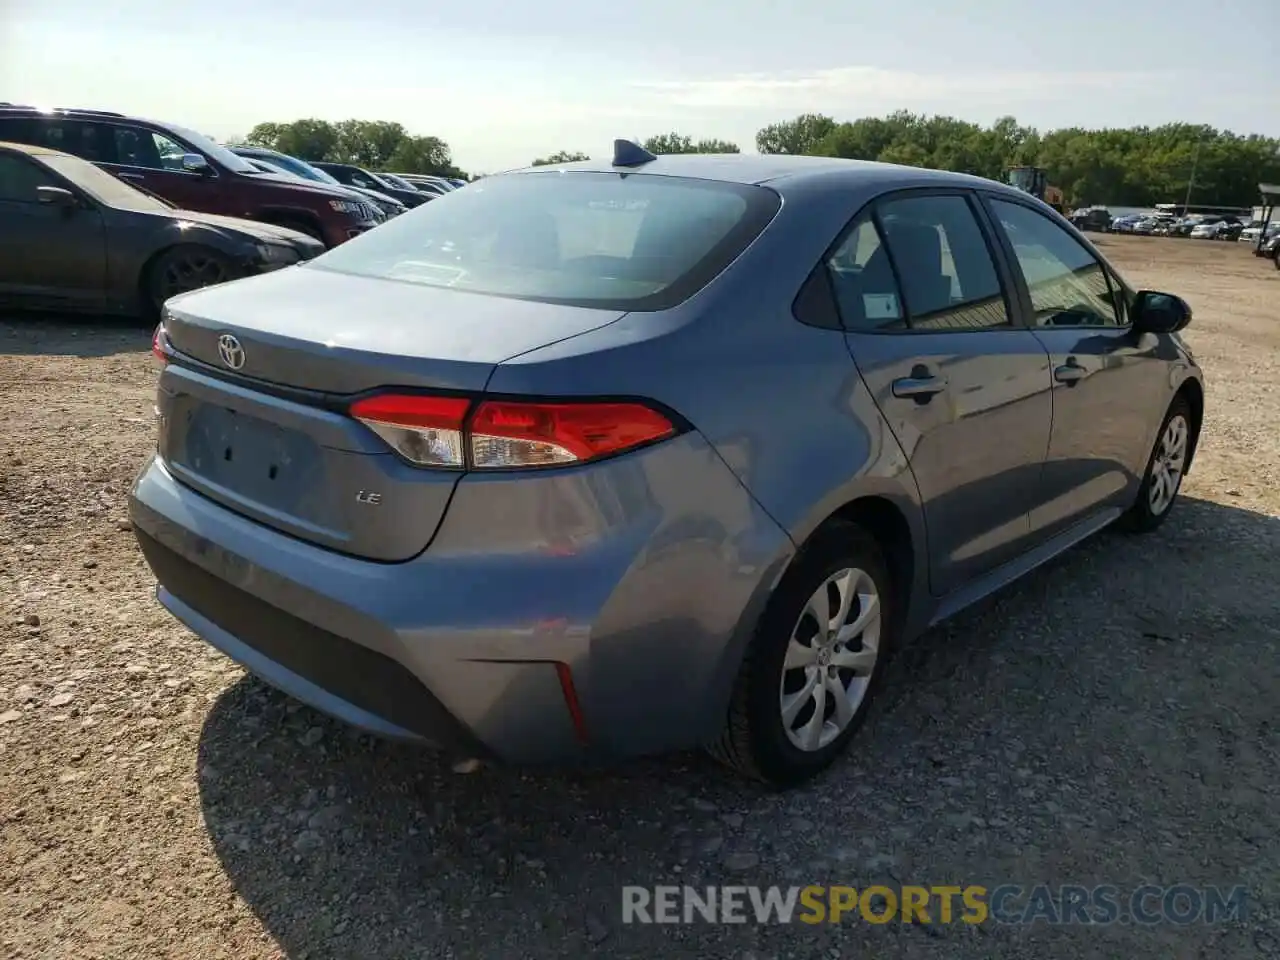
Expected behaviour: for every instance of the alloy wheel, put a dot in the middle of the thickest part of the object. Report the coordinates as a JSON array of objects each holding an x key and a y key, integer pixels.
[
  {"x": 191, "y": 271},
  {"x": 830, "y": 658},
  {"x": 1168, "y": 465}
]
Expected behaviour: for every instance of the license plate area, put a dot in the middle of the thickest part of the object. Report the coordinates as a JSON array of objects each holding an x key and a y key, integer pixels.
[{"x": 269, "y": 465}]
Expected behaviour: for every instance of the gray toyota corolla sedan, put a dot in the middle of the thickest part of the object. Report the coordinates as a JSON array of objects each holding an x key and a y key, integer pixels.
[{"x": 615, "y": 458}]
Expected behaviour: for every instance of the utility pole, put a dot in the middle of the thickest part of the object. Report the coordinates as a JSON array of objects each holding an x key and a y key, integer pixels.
[{"x": 1186, "y": 204}]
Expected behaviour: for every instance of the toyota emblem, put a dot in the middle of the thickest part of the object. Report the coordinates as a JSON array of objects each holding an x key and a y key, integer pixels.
[{"x": 230, "y": 351}]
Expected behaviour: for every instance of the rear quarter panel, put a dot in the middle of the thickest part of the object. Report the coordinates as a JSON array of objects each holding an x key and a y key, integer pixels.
[{"x": 781, "y": 402}]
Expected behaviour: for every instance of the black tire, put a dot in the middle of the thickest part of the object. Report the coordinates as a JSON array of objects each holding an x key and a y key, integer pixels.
[
  {"x": 754, "y": 741},
  {"x": 1141, "y": 517},
  {"x": 184, "y": 268},
  {"x": 302, "y": 226}
]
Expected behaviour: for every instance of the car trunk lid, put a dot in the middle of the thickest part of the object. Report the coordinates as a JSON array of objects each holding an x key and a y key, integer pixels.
[{"x": 253, "y": 410}]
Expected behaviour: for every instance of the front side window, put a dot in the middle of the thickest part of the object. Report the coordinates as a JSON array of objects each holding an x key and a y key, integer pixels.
[
  {"x": 1068, "y": 286},
  {"x": 943, "y": 264},
  {"x": 104, "y": 187},
  {"x": 20, "y": 178},
  {"x": 136, "y": 147},
  {"x": 617, "y": 241},
  {"x": 169, "y": 151}
]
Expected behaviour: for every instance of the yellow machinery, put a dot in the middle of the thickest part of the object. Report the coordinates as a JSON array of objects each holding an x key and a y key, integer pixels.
[{"x": 1035, "y": 181}]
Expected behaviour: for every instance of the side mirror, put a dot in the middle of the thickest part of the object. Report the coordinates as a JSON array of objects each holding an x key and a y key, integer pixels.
[
  {"x": 195, "y": 163},
  {"x": 58, "y": 197},
  {"x": 1155, "y": 312}
]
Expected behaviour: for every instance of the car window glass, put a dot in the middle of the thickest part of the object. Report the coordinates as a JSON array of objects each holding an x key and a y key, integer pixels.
[
  {"x": 19, "y": 179},
  {"x": 863, "y": 283},
  {"x": 137, "y": 148},
  {"x": 1068, "y": 285},
  {"x": 103, "y": 186},
  {"x": 170, "y": 153},
  {"x": 75, "y": 137},
  {"x": 635, "y": 242},
  {"x": 948, "y": 278}
]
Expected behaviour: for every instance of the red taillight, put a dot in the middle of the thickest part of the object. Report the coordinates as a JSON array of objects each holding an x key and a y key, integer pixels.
[
  {"x": 507, "y": 434},
  {"x": 435, "y": 431},
  {"x": 424, "y": 430},
  {"x": 158, "y": 341}
]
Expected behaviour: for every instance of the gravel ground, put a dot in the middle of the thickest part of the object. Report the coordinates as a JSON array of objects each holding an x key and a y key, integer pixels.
[{"x": 1111, "y": 719}]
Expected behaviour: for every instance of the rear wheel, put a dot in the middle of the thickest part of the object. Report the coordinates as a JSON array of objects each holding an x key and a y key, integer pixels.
[
  {"x": 811, "y": 669},
  {"x": 1165, "y": 468},
  {"x": 185, "y": 268}
]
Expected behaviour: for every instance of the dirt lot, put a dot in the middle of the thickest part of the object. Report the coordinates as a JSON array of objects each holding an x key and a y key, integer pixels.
[{"x": 1112, "y": 719}]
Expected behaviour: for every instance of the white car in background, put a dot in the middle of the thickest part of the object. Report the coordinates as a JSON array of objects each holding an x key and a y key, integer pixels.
[
  {"x": 1208, "y": 231},
  {"x": 1251, "y": 233}
]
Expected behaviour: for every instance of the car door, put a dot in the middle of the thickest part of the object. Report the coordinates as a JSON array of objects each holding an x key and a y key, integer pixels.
[
  {"x": 964, "y": 389},
  {"x": 50, "y": 255},
  {"x": 153, "y": 161},
  {"x": 1107, "y": 381}
]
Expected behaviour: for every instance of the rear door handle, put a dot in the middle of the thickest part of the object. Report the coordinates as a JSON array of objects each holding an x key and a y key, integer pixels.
[
  {"x": 130, "y": 176},
  {"x": 921, "y": 388},
  {"x": 1070, "y": 372}
]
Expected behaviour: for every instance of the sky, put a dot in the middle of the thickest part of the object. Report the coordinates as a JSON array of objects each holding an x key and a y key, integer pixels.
[{"x": 503, "y": 82}]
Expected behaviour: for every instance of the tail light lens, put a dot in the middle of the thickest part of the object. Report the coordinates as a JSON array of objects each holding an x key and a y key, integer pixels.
[
  {"x": 443, "y": 431},
  {"x": 424, "y": 430},
  {"x": 159, "y": 344}
]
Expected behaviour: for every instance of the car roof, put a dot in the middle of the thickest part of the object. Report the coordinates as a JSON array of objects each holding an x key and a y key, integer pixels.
[
  {"x": 31, "y": 150},
  {"x": 777, "y": 170}
]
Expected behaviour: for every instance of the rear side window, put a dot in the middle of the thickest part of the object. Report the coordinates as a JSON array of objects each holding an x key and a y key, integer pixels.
[
  {"x": 925, "y": 265},
  {"x": 75, "y": 137},
  {"x": 615, "y": 241}
]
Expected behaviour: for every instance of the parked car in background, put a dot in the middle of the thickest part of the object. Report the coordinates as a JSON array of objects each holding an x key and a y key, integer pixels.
[
  {"x": 554, "y": 518},
  {"x": 1230, "y": 229},
  {"x": 1251, "y": 233},
  {"x": 1152, "y": 223},
  {"x": 1216, "y": 228},
  {"x": 266, "y": 166},
  {"x": 73, "y": 237},
  {"x": 1183, "y": 226},
  {"x": 1206, "y": 230},
  {"x": 388, "y": 204},
  {"x": 427, "y": 183},
  {"x": 1271, "y": 249},
  {"x": 1093, "y": 218},
  {"x": 190, "y": 170},
  {"x": 354, "y": 176},
  {"x": 1124, "y": 224}
]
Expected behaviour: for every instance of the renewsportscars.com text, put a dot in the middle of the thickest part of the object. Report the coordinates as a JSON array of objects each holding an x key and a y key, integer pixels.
[{"x": 1103, "y": 904}]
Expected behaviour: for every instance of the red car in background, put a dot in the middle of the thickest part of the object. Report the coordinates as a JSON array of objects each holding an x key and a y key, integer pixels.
[{"x": 190, "y": 170}]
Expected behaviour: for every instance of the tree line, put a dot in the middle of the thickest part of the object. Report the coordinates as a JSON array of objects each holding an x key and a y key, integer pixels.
[
  {"x": 372, "y": 144},
  {"x": 1134, "y": 166}
]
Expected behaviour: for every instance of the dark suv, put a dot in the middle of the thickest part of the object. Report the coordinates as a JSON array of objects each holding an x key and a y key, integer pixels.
[{"x": 190, "y": 170}]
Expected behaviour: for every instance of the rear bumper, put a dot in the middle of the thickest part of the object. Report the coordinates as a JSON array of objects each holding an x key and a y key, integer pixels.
[{"x": 658, "y": 567}]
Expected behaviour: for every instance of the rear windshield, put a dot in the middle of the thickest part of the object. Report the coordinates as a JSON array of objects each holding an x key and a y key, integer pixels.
[
  {"x": 616, "y": 241},
  {"x": 104, "y": 187}
]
